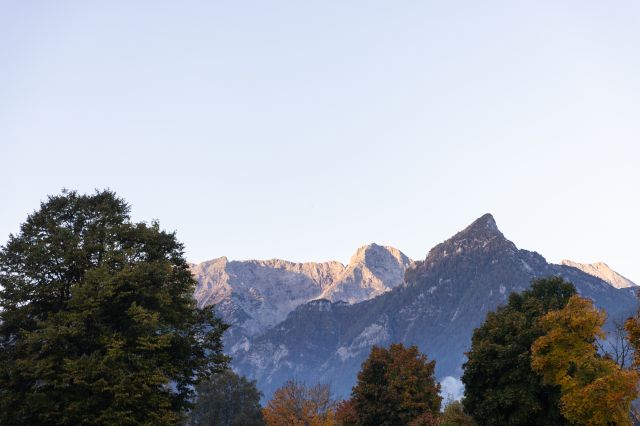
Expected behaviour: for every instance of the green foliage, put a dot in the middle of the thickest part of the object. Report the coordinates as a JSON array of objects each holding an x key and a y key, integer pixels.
[
  {"x": 595, "y": 390},
  {"x": 98, "y": 323},
  {"x": 395, "y": 386},
  {"x": 227, "y": 399},
  {"x": 454, "y": 415},
  {"x": 500, "y": 386}
]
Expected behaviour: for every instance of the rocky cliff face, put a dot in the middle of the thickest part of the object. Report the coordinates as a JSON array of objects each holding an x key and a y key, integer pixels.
[
  {"x": 255, "y": 295},
  {"x": 372, "y": 270},
  {"x": 602, "y": 271},
  {"x": 445, "y": 297}
]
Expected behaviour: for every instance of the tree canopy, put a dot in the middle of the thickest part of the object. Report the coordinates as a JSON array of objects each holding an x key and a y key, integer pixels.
[
  {"x": 500, "y": 386},
  {"x": 296, "y": 404},
  {"x": 97, "y": 323},
  {"x": 595, "y": 390},
  {"x": 454, "y": 415},
  {"x": 227, "y": 399},
  {"x": 395, "y": 386}
]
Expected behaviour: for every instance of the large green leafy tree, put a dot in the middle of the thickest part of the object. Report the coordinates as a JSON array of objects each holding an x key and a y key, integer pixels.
[
  {"x": 500, "y": 386},
  {"x": 227, "y": 399},
  {"x": 395, "y": 387},
  {"x": 98, "y": 323}
]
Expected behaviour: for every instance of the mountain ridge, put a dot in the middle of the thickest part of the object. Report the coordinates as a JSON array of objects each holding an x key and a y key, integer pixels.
[
  {"x": 444, "y": 298},
  {"x": 255, "y": 295}
]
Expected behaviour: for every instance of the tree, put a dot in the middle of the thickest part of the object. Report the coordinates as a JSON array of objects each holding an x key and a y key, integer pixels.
[
  {"x": 632, "y": 328},
  {"x": 500, "y": 387},
  {"x": 595, "y": 390},
  {"x": 632, "y": 339},
  {"x": 617, "y": 345},
  {"x": 426, "y": 419},
  {"x": 296, "y": 404},
  {"x": 395, "y": 386},
  {"x": 454, "y": 415},
  {"x": 227, "y": 400},
  {"x": 97, "y": 319},
  {"x": 346, "y": 413}
]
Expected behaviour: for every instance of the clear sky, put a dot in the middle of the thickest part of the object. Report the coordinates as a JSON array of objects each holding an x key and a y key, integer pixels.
[{"x": 302, "y": 130}]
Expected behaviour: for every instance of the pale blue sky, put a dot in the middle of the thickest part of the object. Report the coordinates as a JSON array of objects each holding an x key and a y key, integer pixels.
[{"x": 302, "y": 130}]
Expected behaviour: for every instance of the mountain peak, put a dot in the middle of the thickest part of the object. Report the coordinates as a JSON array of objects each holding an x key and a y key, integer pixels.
[
  {"x": 483, "y": 234},
  {"x": 372, "y": 270},
  {"x": 602, "y": 271},
  {"x": 485, "y": 223},
  {"x": 373, "y": 254},
  {"x": 482, "y": 229},
  {"x": 361, "y": 253}
]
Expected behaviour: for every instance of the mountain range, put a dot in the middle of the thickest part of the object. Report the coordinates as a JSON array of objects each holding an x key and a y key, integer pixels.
[
  {"x": 316, "y": 322},
  {"x": 256, "y": 295}
]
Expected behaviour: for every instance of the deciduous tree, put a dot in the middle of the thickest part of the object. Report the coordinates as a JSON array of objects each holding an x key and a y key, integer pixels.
[
  {"x": 500, "y": 387},
  {"x": 595, "y": 390},
  {"x": 227, "y": 399},
  {"x": 454, "y": 415},
  {"x": 395, "y": 386},
  {"x": 346, "y": 414},
  {"x": 296, "y": 404},
  {"x": 97, "y": 322}
]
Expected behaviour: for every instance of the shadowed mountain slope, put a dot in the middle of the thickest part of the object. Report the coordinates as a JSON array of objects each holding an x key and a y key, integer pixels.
[{"x": 444, "y": 298}]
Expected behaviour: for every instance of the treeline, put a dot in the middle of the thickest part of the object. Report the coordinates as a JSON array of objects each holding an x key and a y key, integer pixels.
[
  {"x": 538, "y": 360},
  {"x": 98, "y": 326},
  {"x": 396, "y": 386}
]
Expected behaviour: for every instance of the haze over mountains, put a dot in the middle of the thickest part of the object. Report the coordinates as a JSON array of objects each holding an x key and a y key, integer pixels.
[{"x": 318, "y": 321}]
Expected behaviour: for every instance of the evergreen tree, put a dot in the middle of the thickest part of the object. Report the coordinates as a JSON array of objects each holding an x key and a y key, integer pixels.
[
  {"x": 97, "y": 323},
  {"x": 500, "y": 386},
  {"x": 395, "y": 387},
  {"x": 595, "y": 390},
  {"x": 227, "y": 400}
]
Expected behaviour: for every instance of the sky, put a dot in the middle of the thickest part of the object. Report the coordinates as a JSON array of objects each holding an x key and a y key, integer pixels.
[{"x": 302, "y": 130}]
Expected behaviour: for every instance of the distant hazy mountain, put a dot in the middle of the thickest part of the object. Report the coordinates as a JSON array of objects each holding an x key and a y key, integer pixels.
[
  {"x": 255, "y": 295},
  {"x": 602, "y": 271},
  {"x": 444, "y": 298}
]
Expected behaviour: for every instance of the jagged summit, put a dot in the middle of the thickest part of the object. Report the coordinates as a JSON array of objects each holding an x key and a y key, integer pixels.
[
  {"x": 443, "y": 299},
  {"x": 602, "y": 271},
  {"x": 485, "y": 225},
  {"x": 254, "y": 295},
  {"x": 372, "y": 270},
  {"x": 482, "y": 234},
  {"x": 373, "y": 253},
  {"x": 360, "y": 255}
]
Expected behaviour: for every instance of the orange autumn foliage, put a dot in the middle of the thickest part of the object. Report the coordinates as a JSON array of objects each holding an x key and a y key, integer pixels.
[{"x": 295, "y": 404}]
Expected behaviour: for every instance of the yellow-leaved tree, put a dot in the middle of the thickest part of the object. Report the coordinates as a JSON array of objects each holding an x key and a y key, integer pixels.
[{"x": 595, "y": 390}]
